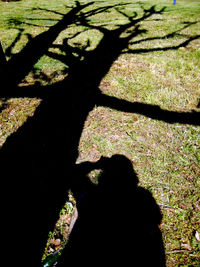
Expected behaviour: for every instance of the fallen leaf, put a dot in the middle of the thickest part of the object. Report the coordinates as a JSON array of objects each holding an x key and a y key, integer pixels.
[
  {"x": 182, "y": 206},
  {"x": 55, "y": 242},
  {"x": 51, "y": 250},
  {"x": 66, "y": 218},
  {"x": 186, "y": 246},
  {"x": 197, "y": 236},
  {"x": 196, "y": 207}
]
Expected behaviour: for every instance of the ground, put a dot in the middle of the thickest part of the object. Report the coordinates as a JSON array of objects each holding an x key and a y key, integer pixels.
[{"x": 159, "y": 67}]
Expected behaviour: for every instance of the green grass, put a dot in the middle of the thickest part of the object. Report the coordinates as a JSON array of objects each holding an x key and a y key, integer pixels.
[{"x": 165, "y": 156}]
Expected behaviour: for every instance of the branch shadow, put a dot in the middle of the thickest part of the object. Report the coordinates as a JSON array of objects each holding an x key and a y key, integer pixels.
[
  {"x": 39, "y": 160},
  {"x": 7, "y": 1}
]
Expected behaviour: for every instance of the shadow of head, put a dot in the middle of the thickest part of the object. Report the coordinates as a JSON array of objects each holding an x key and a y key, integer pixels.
[
  {"x": 117, "y": 214},
  {"x": 118, "y": 174}
]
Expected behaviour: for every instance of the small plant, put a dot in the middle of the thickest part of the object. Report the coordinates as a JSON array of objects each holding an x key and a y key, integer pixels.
[{"x": 57, "y": 239}]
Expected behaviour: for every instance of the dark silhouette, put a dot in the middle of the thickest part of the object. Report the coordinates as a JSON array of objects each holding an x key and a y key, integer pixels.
[
  {"x": 38, "y": 161},
  {"x": 10, "y": 0},
  {"x": 118, "y": 221},
  {"x": 2, "y": 64},
  {"x": 2, "y": 57}
]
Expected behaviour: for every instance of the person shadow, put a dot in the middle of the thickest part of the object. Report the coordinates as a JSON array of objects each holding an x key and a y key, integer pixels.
[{"x": 118, "y": 221}]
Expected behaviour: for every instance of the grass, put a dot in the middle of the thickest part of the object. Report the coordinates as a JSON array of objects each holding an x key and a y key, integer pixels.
[{"x": 165, "y": 156}]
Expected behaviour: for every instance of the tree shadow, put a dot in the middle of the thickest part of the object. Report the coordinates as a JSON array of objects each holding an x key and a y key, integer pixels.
[
  {"x": 10, "y": 1},
  {"x": 118, "y": 221},
  {"x": 39, "y": 160}
]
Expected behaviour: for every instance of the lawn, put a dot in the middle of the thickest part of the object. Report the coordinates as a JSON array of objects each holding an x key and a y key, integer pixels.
[{"x": 158, "y": 67}]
